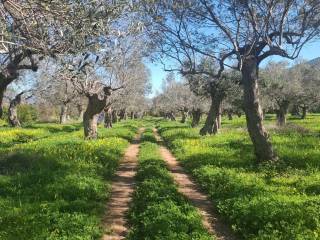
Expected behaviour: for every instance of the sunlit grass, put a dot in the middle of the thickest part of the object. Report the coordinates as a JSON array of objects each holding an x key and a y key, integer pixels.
[
  {"x": 279, "y": 201},
  {"x": 55, "y": 187}
]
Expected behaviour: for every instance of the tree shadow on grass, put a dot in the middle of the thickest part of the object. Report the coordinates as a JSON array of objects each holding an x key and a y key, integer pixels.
[{"x": 52, "y": 190}]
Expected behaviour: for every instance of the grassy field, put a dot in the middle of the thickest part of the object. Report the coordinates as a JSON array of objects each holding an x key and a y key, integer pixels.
[
  {"x": 53, "y": 184},
  {"x": 260, "y": 202}
]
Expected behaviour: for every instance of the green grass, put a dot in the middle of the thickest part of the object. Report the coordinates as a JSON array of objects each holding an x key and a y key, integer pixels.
[
  {"x": 260, "y": 202},
  {"x": 56, "y": 187},
  {"x": 158, "y": 210}
]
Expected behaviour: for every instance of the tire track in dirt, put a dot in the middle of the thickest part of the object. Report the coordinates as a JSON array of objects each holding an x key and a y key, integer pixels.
[
  {"x": 191, "y": 191},
  {"x": 115, "y": 222}
]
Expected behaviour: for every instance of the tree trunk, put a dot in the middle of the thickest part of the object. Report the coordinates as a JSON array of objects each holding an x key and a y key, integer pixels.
[
  {"x": 281, "y": 114},
  {"x": 2, "y": 91},
  {"x": 262, "y": 146},
  {"x": 196, "y": 115},
  {"x": 304, "y": 112},
  {"x": 295, "y": 110},
  {"x": 171, "y": 116},
  {"x": 63, "y": 113},
  {"x": 108, "y": 117},
  {"x": 230, "y": 115},
  {"x": 13, "y": 111},
  {"x": 95, "y": 106},
  {"x": 213, "y": 120},
  {"x": 81, "y": 111},
  {"x": 219, "y": 117},
  {"x": 184, "y": 115},
  {"x": 114, "y": 116},
  {"x": 122, "y": 115}
]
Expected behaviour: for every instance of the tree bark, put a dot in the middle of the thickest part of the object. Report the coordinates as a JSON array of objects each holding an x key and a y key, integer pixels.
[
  {"x": 95, "y": 106},
  {"x": 171, "y": 116},
  {"x": 295, "y": 110},
  {"x": 219, "y": 117},
  {"x": 184, "y": 113},
  {"x": 196, "y": 115},
  {"x": 2, "y": 91},
  {"x": 281, "y": 113},
  {"x": 63, "y": 113},
  {"x": 108, "y": 117},
  {"x": 13, "y": 111},
  {"x": 114, "y": 116},
  {"x": 213, "y": 120},
  {"x": 81, "y": 111},
  {"x": 262, "y": 146},
  {"x": 122, "y": 115},
  {"x": 304, "y": 112}
]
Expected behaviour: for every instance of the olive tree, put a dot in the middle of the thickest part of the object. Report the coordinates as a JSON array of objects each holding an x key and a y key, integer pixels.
[
  {"x": 309, "y": 78},
  {"x": 236, "y": 34},
  {"x": 32, "y": 29},
  {"x": 280, "y": 88}
]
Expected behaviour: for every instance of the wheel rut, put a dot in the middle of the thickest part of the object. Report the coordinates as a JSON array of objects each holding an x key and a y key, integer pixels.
[
  {"x": 115, "y": 222},
  {"x": 192, "y": 192}
]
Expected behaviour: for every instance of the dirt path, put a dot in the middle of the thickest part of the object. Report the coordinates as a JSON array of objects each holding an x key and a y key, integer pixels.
[
  {"x": 122, "y": 187},
  {"x": 189, "y": 189}
]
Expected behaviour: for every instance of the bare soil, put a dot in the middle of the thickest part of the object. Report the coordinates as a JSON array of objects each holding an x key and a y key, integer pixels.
[{"x": 123, "y": 185}]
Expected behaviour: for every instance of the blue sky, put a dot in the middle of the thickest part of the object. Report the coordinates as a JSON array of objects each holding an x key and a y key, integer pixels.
[{"x": 310, "y": 51}]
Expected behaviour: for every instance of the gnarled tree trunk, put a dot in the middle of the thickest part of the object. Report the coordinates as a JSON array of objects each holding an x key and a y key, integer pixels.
[
  {"x": 259, "y": 137},
  {"x": 213, "y": 120},
  {"x": 114, "y": 116},
  {"x": 122, "y": 115},
  {"x": 95, "y": 106},
  {"x": 11, "y": 72},
  {"x": 64, "y": 113},
  {"x": 184, "y": 113},
  {"x": 171, "y": 116},
  {"x": 281, "y": 113},
  {"x": 13, "y": 111},
  {"x": 196, "y": 115},
  {"x": 108, "y": 117}
]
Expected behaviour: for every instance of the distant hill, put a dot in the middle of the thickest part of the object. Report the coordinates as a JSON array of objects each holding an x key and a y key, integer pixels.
[{"x": 315, "y": 61}]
